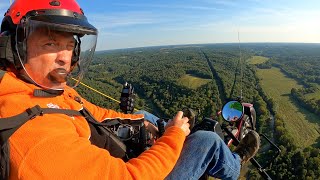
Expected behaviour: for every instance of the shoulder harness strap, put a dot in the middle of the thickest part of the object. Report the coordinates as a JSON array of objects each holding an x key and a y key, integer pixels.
[{"x": 10, "y": 124}]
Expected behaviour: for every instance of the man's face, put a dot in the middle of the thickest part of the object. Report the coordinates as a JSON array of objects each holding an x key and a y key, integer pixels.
[{"x": 49, "y": 56}]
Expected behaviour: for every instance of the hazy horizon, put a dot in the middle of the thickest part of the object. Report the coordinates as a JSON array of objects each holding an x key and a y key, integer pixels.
[
  {"x": 205, "y": 44},
  {"x": 126, "y": 24}
]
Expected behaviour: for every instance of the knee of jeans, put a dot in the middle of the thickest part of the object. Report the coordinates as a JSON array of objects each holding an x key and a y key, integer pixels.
[
  {"x": 140, "y": 112},
  {"x": 206, "y": 136},
  {"x": 148, "y": 116}
]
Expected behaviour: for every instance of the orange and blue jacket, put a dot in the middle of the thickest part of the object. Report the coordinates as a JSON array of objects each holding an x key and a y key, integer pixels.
[{"x": 57, "y": 146}]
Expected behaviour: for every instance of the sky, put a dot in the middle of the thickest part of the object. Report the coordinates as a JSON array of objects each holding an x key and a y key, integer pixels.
[{"x": 140, "y": 23}]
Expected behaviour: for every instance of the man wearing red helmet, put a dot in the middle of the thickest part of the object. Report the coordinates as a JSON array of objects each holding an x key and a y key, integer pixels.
[{"x": 44, "y": 44}]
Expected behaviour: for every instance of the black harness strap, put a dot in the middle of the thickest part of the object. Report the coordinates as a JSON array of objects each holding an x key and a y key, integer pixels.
[
  {"x": 101, "y": 135},
  {"x": 9, "y": 125},
  {"x": 61, "y": 111}
]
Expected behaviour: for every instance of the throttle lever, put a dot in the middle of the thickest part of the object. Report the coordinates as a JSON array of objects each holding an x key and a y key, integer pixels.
[
  {"x": 189, "y": 113},
  {"x": 160, "y": 124}
]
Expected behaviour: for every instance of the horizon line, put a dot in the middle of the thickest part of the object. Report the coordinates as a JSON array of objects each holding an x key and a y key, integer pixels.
[{"x": 154, "y": 46}]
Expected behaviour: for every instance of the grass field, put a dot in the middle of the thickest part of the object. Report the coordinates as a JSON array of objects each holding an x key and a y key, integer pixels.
[
  {"x": 315, "y": 95},
  {"x": 257, "y": 60},
  {"x": 301, "y": 124},
  {"x": 192, "y": 81}
]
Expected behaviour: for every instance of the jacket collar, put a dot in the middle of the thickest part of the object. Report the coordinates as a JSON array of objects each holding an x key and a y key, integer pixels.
[{"x": 10, "y": 80}]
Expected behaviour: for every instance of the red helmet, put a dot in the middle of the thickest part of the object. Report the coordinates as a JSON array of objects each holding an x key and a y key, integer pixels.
[
  {"x": 24, "y": 16},
  {"x": 20, "y": 8}
]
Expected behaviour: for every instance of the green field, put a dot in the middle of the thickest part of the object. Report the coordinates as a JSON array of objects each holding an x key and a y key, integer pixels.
[
  {"x": 301, "y": 124},
  {"x": 192, "y": 82},
  {"x": 257, "y": 60},
  {"x": 315, "y": 95}
]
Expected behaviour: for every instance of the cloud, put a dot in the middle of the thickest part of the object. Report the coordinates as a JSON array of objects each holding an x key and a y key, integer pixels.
[
  {"x": 270, "y": 11},
  {"x": 103, "y": 21},
  {"x": 261, "y": 24},
  {"x": 226, "y": 3},
  {"x": 168, "y": 6},
  {"x": 141, "y": 18},
  {"x": 170, "y": 26},
  {"x": 3, "y": 8},
  {"x": 4, "y": 5},
  {"x": 200, "y": 26}
]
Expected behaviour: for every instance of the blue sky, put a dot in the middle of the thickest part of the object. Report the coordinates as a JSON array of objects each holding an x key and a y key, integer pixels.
[{"x": 127, "y": 23}]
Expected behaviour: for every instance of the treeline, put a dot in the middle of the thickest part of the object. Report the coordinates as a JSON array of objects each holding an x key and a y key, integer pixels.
[{"x": 312, "y": 104}]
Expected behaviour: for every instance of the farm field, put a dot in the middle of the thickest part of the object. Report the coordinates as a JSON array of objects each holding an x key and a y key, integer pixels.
[
  {"x": 301, "y": 124},
  {"x": 315, "y": 95},
  {"x": 257, "y": 60},
  {"x": 192, "y": 82}
]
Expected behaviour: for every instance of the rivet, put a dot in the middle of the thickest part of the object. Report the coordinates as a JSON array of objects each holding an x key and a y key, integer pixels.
[{"x": 54, "y": 3}]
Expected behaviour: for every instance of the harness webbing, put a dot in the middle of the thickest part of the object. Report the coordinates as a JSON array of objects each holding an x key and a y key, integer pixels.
[{"x": 10, "y": 124}]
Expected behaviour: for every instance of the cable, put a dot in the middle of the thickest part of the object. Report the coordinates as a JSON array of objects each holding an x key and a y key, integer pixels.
[
  {"x": 240, "y": 62},
  {"x": 87, "y": 86}
]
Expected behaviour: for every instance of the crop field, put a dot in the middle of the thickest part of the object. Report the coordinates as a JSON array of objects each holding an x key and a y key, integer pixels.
[
  {"x": 301, "y": 124},
  {"x": 315, "y": 95},
  {"x": 192, "y": 82},
  {"x": 257, "y": 60}
]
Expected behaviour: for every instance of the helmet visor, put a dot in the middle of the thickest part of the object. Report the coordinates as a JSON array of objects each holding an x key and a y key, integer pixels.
[{"x": 55, "y": 54}]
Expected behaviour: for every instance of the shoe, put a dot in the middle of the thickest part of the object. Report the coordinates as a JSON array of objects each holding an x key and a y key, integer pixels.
[{"x": 248, "y": 146}]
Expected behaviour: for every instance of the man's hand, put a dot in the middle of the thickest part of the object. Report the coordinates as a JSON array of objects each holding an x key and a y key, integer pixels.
[{"x": 181, "y": 122}]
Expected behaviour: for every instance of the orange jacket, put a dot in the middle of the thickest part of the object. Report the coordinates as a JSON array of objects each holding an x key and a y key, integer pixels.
[{"x": 57, "y": 146}]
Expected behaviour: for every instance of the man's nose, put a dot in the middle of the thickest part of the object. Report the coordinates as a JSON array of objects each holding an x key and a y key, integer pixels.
[{"x": 64, "y": 56}]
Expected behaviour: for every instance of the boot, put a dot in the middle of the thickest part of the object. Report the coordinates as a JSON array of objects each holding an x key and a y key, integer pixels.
[{"x": 248, "y": 146}]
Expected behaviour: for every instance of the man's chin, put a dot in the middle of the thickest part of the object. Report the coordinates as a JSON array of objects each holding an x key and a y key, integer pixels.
[
  {"x": 58, "y": 75},
  {"x": 57, "y": 85}
]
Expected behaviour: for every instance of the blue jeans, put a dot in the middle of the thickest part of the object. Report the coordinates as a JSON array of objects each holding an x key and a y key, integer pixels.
[{"x": 203, "y": 152}]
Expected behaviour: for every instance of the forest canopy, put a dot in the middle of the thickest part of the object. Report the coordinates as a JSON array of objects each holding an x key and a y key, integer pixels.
[{"x": 204, "y": 77}]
